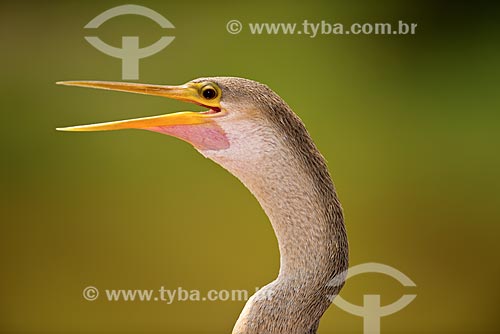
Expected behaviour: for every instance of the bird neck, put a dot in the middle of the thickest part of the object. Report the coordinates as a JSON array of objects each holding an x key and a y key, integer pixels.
[
  {"x": 300, "y": 220},
  {"x": 302, "y": 205}
]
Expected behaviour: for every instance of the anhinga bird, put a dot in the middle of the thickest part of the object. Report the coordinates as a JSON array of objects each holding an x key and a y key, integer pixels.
[{"x": 250, "y": 131}]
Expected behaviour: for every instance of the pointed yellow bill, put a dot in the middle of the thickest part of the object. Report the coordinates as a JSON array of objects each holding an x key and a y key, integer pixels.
[
  {"x": 179, "y": 118},
  {"x": 188, "y": 92},
  {"x": 206, "y": 136}
]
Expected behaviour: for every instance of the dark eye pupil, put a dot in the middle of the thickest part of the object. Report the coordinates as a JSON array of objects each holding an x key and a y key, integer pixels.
[{"x": 209, "y": 93}]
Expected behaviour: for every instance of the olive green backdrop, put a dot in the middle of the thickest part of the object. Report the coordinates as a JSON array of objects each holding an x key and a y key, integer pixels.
[{"x": 408, "y": 124}]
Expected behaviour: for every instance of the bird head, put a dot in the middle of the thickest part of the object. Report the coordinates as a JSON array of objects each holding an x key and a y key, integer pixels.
[{"x": 245, "y": 120}]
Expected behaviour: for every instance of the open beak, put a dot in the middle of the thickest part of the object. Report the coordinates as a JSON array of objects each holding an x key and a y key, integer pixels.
[{"x": 186, "y": 93}]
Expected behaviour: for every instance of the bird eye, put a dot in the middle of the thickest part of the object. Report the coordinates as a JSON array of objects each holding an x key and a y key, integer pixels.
[{"x": 209, "y": 92}]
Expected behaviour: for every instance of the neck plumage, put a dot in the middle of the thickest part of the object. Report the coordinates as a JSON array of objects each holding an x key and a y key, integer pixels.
[{"x": 300, "y": 201}]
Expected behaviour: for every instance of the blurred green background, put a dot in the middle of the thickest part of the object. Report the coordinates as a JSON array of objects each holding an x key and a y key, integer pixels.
[{"x": 409, "y": 125}]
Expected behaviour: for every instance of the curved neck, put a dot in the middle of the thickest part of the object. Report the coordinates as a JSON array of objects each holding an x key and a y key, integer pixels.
[
  {"x": 308, "y": 222},
  {"x": 303, "y": 220}
]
